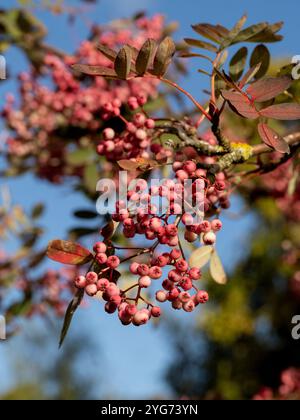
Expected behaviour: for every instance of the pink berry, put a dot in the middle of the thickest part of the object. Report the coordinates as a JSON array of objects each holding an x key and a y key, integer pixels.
[
  {"x": 195, "y": 273},
  {"x": 150, "y": 123},
  {"x": 187, "y": 219},
  {"x": 202, "y": 296},
  {"x": 184, "y": 297},
  {"x": 110, "y": 307},
  {"x": 209, "y": 238},
  {"x": 80, "y": 282},
  {"x": 182, "y": 175},
  {"x": 161, "y": 296},
  {"x": 91, "y": 277},
  {"x": 108, "y": 133},
  {"x": 113, "y": 261},
  {"x": 155, "y": 272},
  {"x": 155, "y": 311},
  {"x": 181, "y": 265},
  {"x": 175, "y": 254},
  {"x": 143, "y": 270},
  {"x": 131, "y": 309},
  {"x": 116, "y": 299},
  {"x": 188, "y": 306},
  {"x": 100, "y": 247},
  {"x": 134, "y": 267},
  {"x": 101, "y": 258},
  {"x": 102, "y": 284},
  {"x": 216, "y": 225},
  {"x": 190, "y": 167},
  {"x": 144, "y": 281},
  {"x": 91, "y": 289},
  {"x": 140, "y": 318}
]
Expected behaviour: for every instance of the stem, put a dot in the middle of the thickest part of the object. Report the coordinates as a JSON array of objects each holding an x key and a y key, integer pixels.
[{"x": 176, "y": 86}]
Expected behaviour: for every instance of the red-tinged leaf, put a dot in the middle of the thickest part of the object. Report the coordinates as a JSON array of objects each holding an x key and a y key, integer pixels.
[
  {"x": 109, "y": 230},
  {"x": 272, "y": 139},
  {"x": 234, "y": 32},
  {"x": 269, "y": 34},
  {"x": 249, "y": 75},
  {"x": 282, "y": 112},
  {"x": 185, "y": 54},
  {"x": 128, "y": 165},
  {"x": 67, "y": 252},
  {"x": 262, "y": 56},
  {"x": 268, "y": 88},
  {"x": 249, "y": 32},
  {"x": 94, "y": 70},
  {"x": 241, "y": 103}
]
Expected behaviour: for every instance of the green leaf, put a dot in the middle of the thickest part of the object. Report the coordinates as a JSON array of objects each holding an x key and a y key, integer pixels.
[
  {"x": 208, "y": 31},
  {"x": 237, "y": 63},
  {"x": 73, "y": 305},
  {"x": 201, "y": 44},
  {"x": 272, "y": 139},
  {"x": 163, "y": 56},
  {"x": 200, "y": 257},
  {"x": 170, "y": 140},
  {"x": 216, "y": 269},
  {"x": 268, "y": 34},
  {"x": 80, "y": 157},
  {"x": 67, "y": 252},
  {"x": 233, "y": 33},
  {"x": 260, "y": 55},
  {"x": 122, "y": 63},
  {"x": 249, "y": 32},
  {"x": 145, "y": 57},
  {"x": 109, "y": 230},
  {"x": 91, "y": 177},
  {"x": 37, "y": 210},
  {"x": 85, "y": 214},
  {"x": 94, "y": 70}
]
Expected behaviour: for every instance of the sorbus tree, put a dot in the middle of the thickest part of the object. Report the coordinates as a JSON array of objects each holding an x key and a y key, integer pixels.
[{"x": 102, "y": 114}]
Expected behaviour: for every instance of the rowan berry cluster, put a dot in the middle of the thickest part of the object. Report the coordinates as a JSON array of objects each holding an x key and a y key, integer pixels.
[
  {"x": 289, "y": 388},
  {"x": 71, "y": 108},
  {"x": 178, "y": 288}
]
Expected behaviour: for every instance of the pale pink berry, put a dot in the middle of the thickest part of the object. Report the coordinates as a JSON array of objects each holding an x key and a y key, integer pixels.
[
  {"x": 190, "y": 167},
  {"x": 100, "y": 247},
  {"x": 140, "y": 318},
  {"x": 134, "y": 267},
  {"x": 108, "y": 133},
  {"x": 144, "y": 281},
  {"x": 116, "y": 299},
  {"x": 91, "y": 277},
  {"x": 187, "y": 219},
  {"x": 150, "y": 123},
  {"x": 80, "y": 282},
  {"x": 141, "y": 134},
  {"x": 112, "y": 289},
  {"x": 131, "y": 309},
  {"x": 205, "y": 226},
  {"x": 161, "y": 296},
  {"x": 182, "y": 175},
  {"x": 188, "y": 306},
  {"x": 209, "y": 238},
  {"x": 91, "y": 289},
  {"x": 190, "y": 236}
]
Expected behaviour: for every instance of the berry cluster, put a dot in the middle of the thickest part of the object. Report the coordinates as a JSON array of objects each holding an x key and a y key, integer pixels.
[
  {"x": 178, "y": 288},
  {"x": 289, "y": 388},
  {"x": 73, "y": 108}
]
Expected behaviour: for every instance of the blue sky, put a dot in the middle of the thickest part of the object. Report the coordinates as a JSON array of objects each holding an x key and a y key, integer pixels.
[{"x": 133, "y": 360}]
